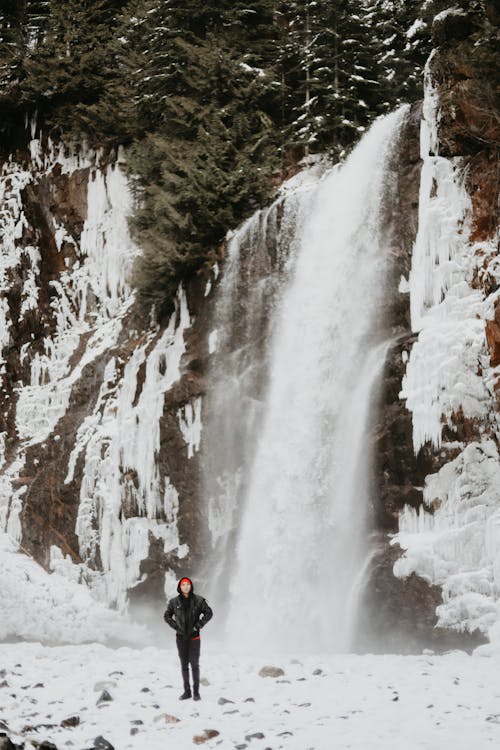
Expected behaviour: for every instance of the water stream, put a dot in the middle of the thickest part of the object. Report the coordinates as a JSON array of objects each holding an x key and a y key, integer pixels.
[{"x": 291, "y": 524}]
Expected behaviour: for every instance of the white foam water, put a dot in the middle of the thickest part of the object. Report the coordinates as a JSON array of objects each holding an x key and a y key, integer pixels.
[{"x": 293, "y": 572}]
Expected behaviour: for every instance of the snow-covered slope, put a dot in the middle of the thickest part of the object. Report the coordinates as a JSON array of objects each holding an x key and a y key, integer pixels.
[
  {"x": 320, "y": 702},
  {"x": 49, "y": 608}
]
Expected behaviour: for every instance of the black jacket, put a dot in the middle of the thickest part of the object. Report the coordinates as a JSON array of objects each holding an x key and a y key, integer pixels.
[{"x": 187, "y": 617}]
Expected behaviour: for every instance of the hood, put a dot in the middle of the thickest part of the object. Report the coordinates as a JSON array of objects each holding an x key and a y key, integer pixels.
[{"x": 179, "y": 585}]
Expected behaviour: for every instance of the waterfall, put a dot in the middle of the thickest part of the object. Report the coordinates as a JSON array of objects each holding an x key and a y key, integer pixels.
[{"x": 295, "y": 516}]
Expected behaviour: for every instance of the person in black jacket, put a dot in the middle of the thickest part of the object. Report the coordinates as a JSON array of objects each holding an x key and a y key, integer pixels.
[{"x": 187, "y": 614}]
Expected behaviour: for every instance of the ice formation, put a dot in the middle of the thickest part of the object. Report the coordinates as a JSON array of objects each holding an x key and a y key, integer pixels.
[
  {"x": 457, "y": 544},
  {"x": 49, "y": 608},
  {"x": 120, "y": 442},
  {"x": 123, "y": 499},
  {"x": 190, "y": 424}
]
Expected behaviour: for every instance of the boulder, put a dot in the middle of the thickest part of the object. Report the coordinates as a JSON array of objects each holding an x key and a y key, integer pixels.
[{"x": 270, "y": 671}]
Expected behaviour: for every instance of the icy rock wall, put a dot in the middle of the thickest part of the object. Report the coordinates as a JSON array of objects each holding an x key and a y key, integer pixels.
[
  {"x": 450, "y": 388},
  {"x": 83, "y": 376},
  {"x": 121, "y": 440}
]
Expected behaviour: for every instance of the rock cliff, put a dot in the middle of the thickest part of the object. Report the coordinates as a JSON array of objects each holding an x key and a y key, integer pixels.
[{"x": 103, "y": 410}]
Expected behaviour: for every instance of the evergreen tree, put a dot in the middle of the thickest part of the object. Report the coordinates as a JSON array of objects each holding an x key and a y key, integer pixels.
[
  {"x": 328, "y": 76},
  {"x": 22, "y": 28},
  {"x": 403, "y": 34},
  {"x": 204, "y": 170},
  {"x": 60, "y": 60},
  {"x": 209, "y": 95}
]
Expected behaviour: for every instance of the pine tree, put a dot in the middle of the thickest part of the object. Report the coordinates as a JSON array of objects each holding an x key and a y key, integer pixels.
[
  {"x": 403, "y": 34},
  {"x": 204, "y": 170},
  {"x": 22, "y": 27},
  {"x": 329, "y": 80},
  {"x": 60, "y": 60}
]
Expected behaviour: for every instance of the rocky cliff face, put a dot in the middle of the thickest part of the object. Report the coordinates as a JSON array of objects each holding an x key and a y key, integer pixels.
[
  {"x": 442, "y": 424},
  {"x": 95, "y": 455},
  {"x": 103, "y": 416}
]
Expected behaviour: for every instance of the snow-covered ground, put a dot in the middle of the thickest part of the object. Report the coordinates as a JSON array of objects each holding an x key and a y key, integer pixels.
[{"x": 321, "y": 702}]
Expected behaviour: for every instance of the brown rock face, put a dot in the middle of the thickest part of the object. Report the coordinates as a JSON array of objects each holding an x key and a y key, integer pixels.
[
  {"x": 462, "y": 68},
  {"x": 493, "y": 336},
  {"x": 463, "y": 71}
]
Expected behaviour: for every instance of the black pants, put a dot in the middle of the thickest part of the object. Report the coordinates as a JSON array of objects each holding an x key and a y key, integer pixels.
[{"x": 189, "y": 653}]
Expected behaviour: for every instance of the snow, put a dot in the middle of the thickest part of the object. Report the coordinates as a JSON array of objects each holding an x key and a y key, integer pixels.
[
  {"x": 417, "y": 25},
  {"x": 212, "y": 341},
  {"x": 190, "y": 424},
  {"x": 421, "y": 702},
  {"x": 450, "y": 12},
  {"x": 40, "y": 606}
]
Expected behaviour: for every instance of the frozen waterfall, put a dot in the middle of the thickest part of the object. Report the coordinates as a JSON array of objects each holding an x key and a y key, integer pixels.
[{"x": 288, "y": 486}]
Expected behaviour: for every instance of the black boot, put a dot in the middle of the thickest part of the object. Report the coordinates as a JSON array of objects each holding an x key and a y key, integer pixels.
[
  {"x": 186, "y": 694},
  {"x": 196, "y": 694}
]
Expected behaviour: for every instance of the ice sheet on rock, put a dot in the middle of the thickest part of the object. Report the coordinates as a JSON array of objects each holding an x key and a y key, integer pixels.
[
  {"x": 120, "y": 442},
  {"x": 448, "y": 374},
  {"x": 13, "y": 181},
  {"x": 49, "y": 608},
  {"x": 190, "y": 423},
  {"x": 447, "y": 371},
  {"x": 91, "y": 297},
  {"x": 457, "y": 546},
  {"x": 11, "y": 497},
  {"x": 89, "y": 301}
]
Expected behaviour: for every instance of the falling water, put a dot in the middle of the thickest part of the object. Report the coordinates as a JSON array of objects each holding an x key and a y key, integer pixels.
[{"x": 296, "y": 526}]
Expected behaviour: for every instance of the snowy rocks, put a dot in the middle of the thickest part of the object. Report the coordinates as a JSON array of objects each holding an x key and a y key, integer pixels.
[
  {"x": 461, "y": 68},
  {"x": 207, "y": 734},
  {"x": 223, "y": 701},
  {"x": 270, "y": 671},
  {"x": 71, "y": 721},
  {"x": 167, "y": 718},
  {"x": 6, "y": 744},
  {"x": 452, "y": 25},
  {"x": 104, "y": 698},
  {"x": 104, "y": 685},
  {"x": 100, "y": 743}
]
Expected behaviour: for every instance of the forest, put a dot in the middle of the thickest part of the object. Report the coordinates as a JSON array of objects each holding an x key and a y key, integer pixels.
[{"x": 216, "y": 103}]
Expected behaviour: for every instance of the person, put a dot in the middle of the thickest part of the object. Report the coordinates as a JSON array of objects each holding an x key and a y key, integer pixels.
[{"x": 187, "y": 614}]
